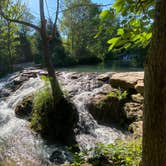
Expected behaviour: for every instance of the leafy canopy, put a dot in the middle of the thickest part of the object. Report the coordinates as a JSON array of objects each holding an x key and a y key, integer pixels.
[{"x": 136, "y": 19}]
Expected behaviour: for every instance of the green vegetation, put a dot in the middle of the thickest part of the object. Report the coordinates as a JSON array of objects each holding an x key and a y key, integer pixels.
[
  {"x": 80, "y": 38},
  {"x": 15, "y": 40},
  {"x": 119, "y": 94},
  {"x": 120, "y": 153},
  {"x": 42, "y": 107},
  {"x": 135, "y": 28}
]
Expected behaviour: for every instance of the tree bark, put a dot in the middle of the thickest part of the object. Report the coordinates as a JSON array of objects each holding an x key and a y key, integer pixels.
[
  {"x": 56, "y": 90},
  {"x": 154, "y": 126}
]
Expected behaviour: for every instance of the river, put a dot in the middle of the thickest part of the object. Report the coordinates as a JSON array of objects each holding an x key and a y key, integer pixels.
[{"x": 23, "y": 147}]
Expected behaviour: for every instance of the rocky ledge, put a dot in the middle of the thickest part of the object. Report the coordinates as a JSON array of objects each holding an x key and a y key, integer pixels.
[
  {"x": 114, "y": 107},
  {"x": 108, "y": 105}
]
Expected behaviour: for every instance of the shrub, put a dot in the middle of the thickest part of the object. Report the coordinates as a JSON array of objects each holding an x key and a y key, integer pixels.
[
  {"x": 120, "y": 153},
  {"x": 119, "y": 94}
]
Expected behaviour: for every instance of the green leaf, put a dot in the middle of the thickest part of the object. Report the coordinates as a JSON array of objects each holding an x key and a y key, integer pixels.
[
  {"x": 113, "y": 42},
  {"x": 104, "y": 13},
  {"x": 120, "y": 31},
  {"x": 127, "y": 45},
  {"x": 149, "y": 36}
]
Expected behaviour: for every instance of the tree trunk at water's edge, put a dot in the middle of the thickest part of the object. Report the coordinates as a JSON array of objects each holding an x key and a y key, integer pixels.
[
  {"x": 154, "y": 127},
  {"x": 56, "y": 90}
]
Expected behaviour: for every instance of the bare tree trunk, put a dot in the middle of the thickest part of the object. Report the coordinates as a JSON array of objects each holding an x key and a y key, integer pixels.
[
  {"x": 56, "y": 90},
  {"x": 154, "y": 128}
]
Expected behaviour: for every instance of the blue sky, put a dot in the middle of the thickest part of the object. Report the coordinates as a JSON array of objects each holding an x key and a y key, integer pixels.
[{"x": 33, "y": 5}]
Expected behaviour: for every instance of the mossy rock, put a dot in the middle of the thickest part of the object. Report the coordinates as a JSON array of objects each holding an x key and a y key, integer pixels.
[
  {"x": 24, "y": 108},
  {"x": 105, "y": 109},
  {"x": 55, "y": 125}
]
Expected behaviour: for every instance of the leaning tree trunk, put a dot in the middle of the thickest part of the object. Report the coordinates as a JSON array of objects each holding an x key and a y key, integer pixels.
[
  {"x": 56, "y": 90},
  {"x": 154, "y": 128}
]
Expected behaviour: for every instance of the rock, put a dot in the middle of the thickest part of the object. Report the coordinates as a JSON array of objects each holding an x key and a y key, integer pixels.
[
  {"x": 74, "y": 77},
  {"x": 133, "y": 111},
  {"x": 140, "y": 86},
  {"x": 64, "y": 122},
  {"x": 59, "y": 157},
  {"x": 137, "y": 98},
  {"x": 4, "y": 93},
  {"x": 105, "y": 89},
  {"x": 104, "y": 77},
  {"x": 126, "y": 80},
  {"x": 24, "y": 108},
  {"x": 106, "y": 110},
  {"x": 136, "y": 129},
  {"x": 56, "y": 125}
]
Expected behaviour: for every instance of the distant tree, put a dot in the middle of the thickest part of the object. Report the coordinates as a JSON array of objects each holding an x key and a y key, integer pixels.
[
  {"x": 24, "y": 35},
  {"x": 9, "y": 36},
  {"x": 79, "y": 25},
  {"x": 56, "y": 90},
  {"x": 56, "y": 48}
]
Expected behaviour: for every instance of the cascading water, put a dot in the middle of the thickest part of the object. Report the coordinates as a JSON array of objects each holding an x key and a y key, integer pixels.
[
  {"x": 17, "y": 142},
  {"x": 20, "y": 144},
  {"x": 90, "y": 132}
]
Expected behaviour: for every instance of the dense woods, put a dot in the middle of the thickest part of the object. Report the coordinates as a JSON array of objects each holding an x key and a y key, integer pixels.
[{"x": 81, "y": 37}]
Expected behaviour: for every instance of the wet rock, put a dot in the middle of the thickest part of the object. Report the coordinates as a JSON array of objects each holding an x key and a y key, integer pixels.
[
  {"x": 105, "y": 89},
  {"x": 24, "y": 108},
  {"x": 4, "y": 93},
  {"x": 59, "y": 157},
  {"x": 133, "y": 111},
  {"x": 17, "y": 81},
  {"x": 106, "y": 110},
  {"x": 137, "y": 98},
  {"x": 75, "y": 76},
  {"x": 4, "y": 119},
  {"x": 126, "y": 80},
  {"x": 104, "y": 77},
  {"x": 140, "y": 86},
  {"x": 136, "y": 129}
]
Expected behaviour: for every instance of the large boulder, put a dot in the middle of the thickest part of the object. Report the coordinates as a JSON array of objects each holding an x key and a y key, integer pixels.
[
  {"x": 55, "y": 124},
  {"x": 24, "y": 108},
  {"x": 105, "y": 109},
  {"x": 63, "y": 122},
  {"x": 126, "y": 80}
]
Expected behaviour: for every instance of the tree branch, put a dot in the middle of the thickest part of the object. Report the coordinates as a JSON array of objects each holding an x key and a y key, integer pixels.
[
  {"x": 19, "y": 21},
  {"x": 88, "y": 5},
  {"x": 56, "y": 19}
]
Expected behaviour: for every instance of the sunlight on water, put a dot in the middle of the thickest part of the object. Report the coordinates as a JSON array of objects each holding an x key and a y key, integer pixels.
[{"x": 19, "y": 143}]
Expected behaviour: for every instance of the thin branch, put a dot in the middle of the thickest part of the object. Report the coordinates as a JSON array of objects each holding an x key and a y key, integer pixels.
[
  {"x": 56, "y": 19},
  {"x": 78, "y": 5},
  {"x": 57, "y": 12}
]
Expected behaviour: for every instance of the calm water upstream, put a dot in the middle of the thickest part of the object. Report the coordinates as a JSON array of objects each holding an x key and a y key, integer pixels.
[{"x": 113, "y": 66}]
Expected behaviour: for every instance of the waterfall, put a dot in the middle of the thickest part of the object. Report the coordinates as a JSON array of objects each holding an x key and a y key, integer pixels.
[{"x": 20, "y": 144}]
